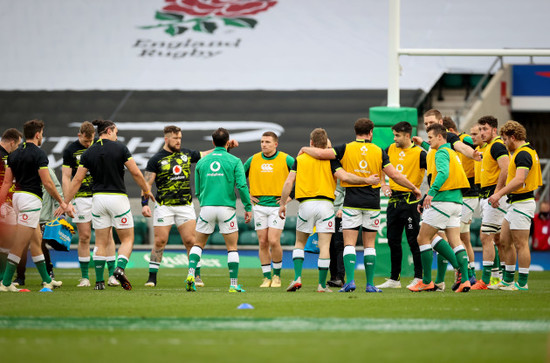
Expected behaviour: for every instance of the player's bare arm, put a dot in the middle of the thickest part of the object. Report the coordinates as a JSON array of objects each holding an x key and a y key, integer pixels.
[
  {"x": 503, "y": 162},
  {"x": 66, "y": 175},
  {"x": 401, "y": 180},
  {"x": 318, "y": 153},
  {"x": 287, "y": 189},
  {"x": 514, "y": 184},
  {"x": 149, "y": 179}
]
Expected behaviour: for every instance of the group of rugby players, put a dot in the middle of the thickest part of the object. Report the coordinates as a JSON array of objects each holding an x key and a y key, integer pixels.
[{"x": 494, "y": 168}]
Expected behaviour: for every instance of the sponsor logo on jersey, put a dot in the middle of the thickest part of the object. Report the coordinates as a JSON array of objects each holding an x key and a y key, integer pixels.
[
  {"x": 215, "y": 166},
  {"x": 177, "y": 170},
  {"x": 267, "y": 168}
]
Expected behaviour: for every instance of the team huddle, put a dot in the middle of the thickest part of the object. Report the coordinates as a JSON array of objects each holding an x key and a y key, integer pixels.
[{"x": 495, "y": 168}]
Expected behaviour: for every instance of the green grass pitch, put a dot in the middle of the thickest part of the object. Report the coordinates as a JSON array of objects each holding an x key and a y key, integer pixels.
[{"x": 169, "y": 324}]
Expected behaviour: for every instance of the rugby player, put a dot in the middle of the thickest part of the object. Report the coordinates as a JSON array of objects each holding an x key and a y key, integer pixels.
[{"x": 267, "y": 172}]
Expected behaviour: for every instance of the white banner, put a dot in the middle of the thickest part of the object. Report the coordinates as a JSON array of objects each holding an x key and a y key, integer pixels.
[{"x": 249, "y": 44}]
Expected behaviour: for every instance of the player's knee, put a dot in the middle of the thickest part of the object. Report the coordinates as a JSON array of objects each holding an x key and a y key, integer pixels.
[
  {"x": 160, "y": 242},
  {"x": 464, "y": 227}
]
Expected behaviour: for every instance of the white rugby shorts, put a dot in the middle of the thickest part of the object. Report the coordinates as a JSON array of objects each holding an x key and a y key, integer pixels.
[
  {"x": 493, "y": 216},
  {"x": 224, "y": 217},
  {"x": 27, "y": 208},
  {"x": 520, "y": 214},
  {"x": 353, "y": 218},
  {"x": 442, "y": 215},
  {"x": 318, "y": 213},
  {"x": 111, "y": 210},
  {"x": 469, "y": 206},
  {"x": 166, "y": 215},
  {"x": 83, "y": 210},
  {"x": 267, "y": 217}
]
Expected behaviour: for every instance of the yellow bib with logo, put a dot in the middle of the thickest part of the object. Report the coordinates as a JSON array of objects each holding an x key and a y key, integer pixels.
[
  {"x": 407, "y": 162},
  {"x": 267, "y": 176},
  {"x": 362, "y": 159}
]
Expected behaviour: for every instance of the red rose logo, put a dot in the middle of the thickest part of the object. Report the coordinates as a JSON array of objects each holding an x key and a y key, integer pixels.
[
  {"x": 223, "y": 8},
  {"x": 179, "y": 16}
]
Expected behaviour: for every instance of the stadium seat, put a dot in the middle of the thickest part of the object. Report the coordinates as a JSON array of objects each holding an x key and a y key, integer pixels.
[
  {"x": 288, "y": 238},
  {"x": 290, "y": 224},
  {"x": 141, "y": 235},
  {"x": 242, "y": 226},
  {"x": 451, "y": 80},
  {"x": 174, "y": 237},
  {"x": 475, "y": 227},
  {"x": 216, "y": 239},
  {"x": 248, "y": 238}
]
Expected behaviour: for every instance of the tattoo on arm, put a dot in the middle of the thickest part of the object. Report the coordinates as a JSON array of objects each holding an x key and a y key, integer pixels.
[{"x": 149, "y": 177}]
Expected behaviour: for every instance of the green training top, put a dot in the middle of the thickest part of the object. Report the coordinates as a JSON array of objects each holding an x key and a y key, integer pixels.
[{"x": 216, "y": 177}]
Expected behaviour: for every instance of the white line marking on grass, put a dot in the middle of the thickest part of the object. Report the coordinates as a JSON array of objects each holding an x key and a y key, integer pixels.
[{"x": 281, "y": 324}]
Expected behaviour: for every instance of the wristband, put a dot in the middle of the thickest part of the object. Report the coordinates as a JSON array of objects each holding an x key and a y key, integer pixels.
[{"x": 144, "y": 200}]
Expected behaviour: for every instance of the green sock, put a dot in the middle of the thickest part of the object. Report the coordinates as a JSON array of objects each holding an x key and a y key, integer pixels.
[
  {"x": 486, "y": 274},
  {"x": 121, "y": 262},
  {"x": 9, "y": 272},
  {"x": 154, "y": 267},
  {"x": 523, "y": 275},
  {"x": 198, "y": 271},
  {"x": 508, "y": 276},
  {"x": 444, "y": 248},
  {"x": 99, "y": 265},
  {"x": 111, "y": 265},
  {"x": 369, "y": 261},
  {"x": 267, "y": 275},
  {"x": 277, "y": 270},
  {"x": 442, "y": 264},
  {"x": 233, "y": 270},
  {"x": 41, "y": 267},
  {"x": 193, "y": 262},
  {"x": 298, "y": 263},
  {"x": 84, "y": 267},
  {"x": 427, "y": 257},
  {"x": 496, "y": 261},
  {"x": 462, "y": 260},
  {"x": 349, "y": 266},
  {"x": 323, "y": 266},
  {"x": 3, "y": 262}
]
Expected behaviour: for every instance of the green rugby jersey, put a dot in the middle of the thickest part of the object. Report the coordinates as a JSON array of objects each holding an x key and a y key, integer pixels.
[
  {"x": 173, "y": 179},
  {"x": 71, "y": 159},
  {"x": 216, "y": 177}
]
